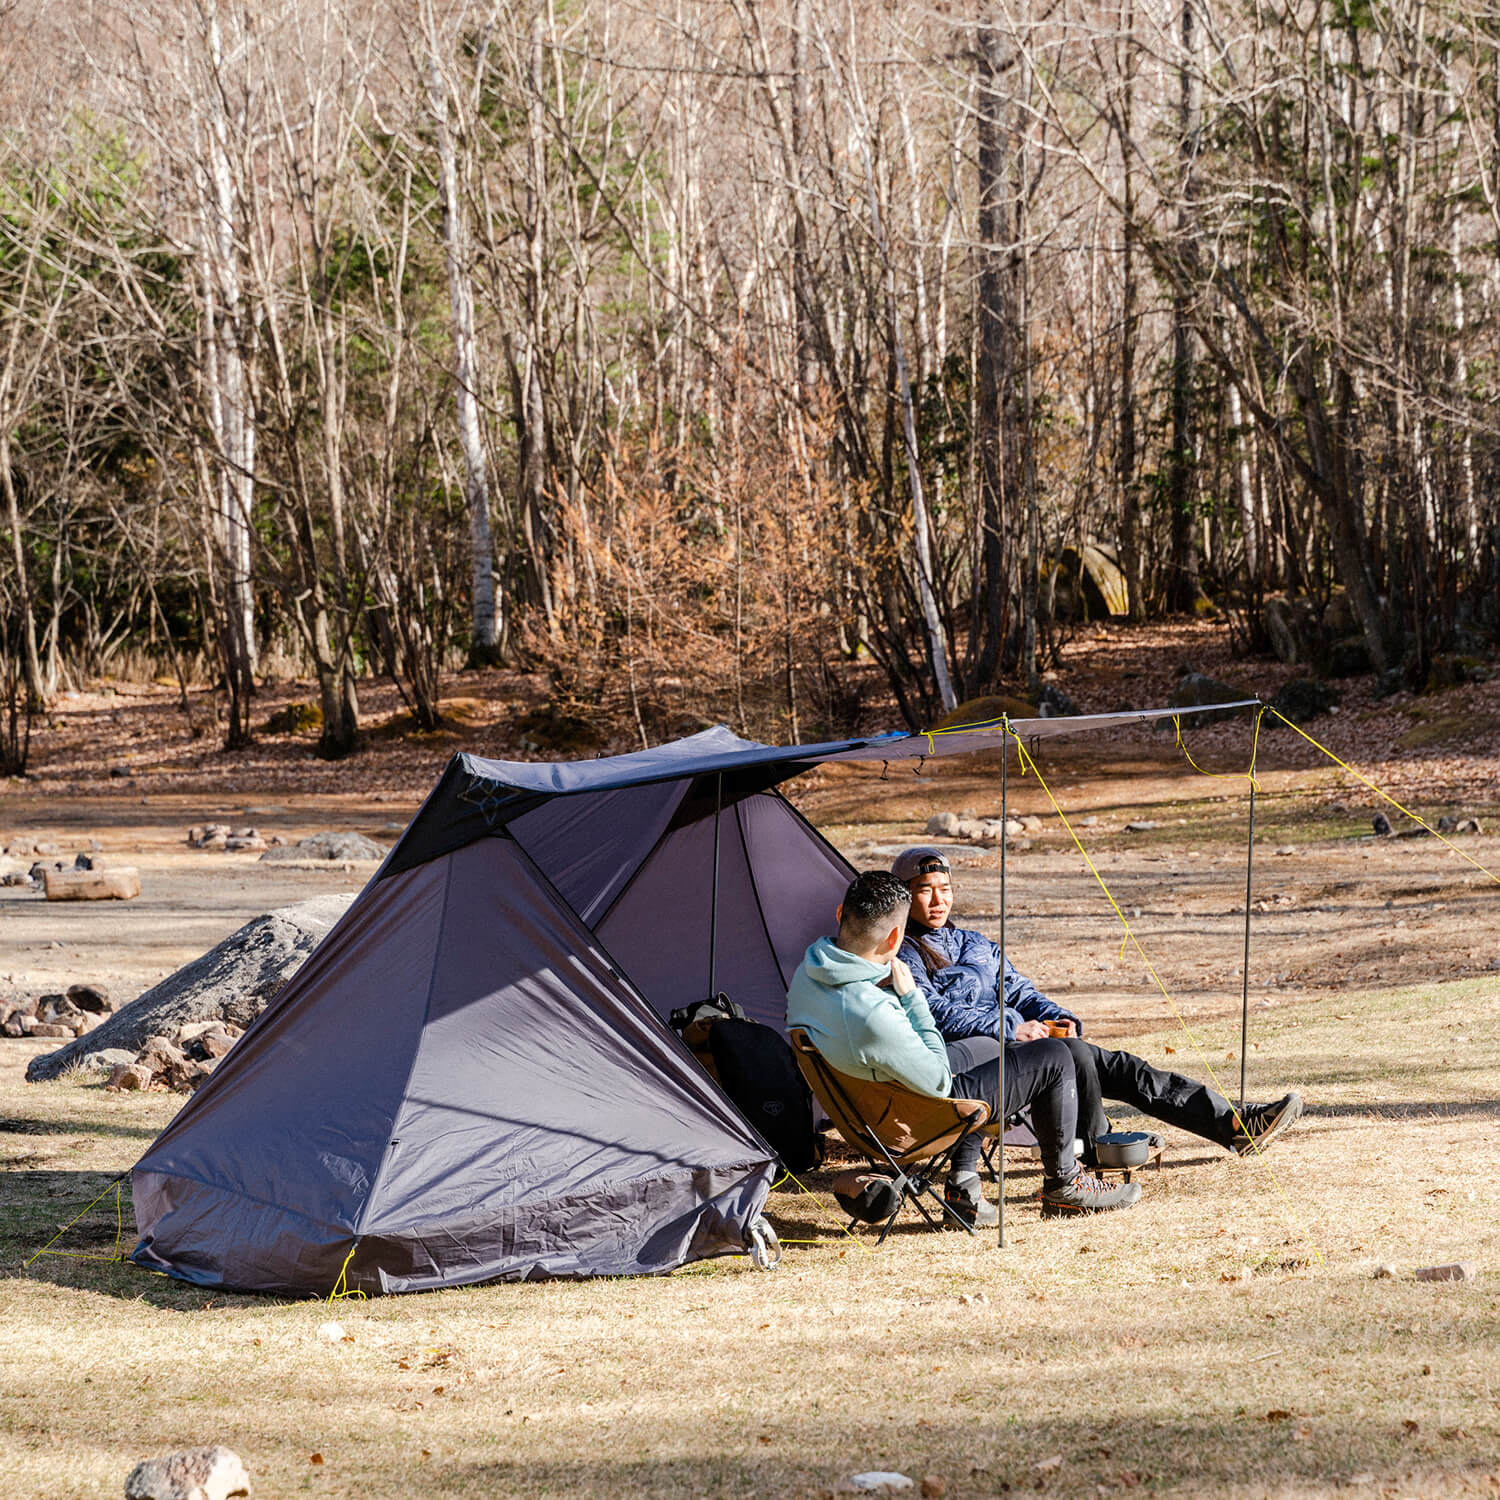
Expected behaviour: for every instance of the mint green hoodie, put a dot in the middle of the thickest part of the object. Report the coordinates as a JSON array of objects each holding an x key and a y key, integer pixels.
[{"x": 864, "y": 1030}]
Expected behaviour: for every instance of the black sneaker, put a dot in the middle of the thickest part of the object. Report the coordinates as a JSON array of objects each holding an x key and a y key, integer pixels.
[
  {"x": 1087, "y": 1194},
  {"x": 963, "y": 1196},
  {"x": 1262, "y": 1123}
]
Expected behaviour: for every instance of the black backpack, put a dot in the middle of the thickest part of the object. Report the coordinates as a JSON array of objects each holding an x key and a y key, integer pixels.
[{"x": 757, "y": 1070}]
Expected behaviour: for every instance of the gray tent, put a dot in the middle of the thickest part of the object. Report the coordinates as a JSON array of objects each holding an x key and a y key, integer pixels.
[
  {"x": 471, "y": 1078},
  {"x": 463, "y": 1083}
]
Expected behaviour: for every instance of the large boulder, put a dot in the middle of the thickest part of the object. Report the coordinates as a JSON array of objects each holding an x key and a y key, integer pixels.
[
  {"x": 328, "y": 846},
  {"x": 233, "y": 982},
  {"x": 1196, "y": 690}
]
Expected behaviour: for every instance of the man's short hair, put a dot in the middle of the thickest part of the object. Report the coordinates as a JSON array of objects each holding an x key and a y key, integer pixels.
[{"x": 874, "y": 901}]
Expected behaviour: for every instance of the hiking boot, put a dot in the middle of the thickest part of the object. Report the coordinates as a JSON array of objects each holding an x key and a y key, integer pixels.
[
  {"x": 1087, "y": 1194},
  {"x": 1264, "y": 1122},
  {"x": 963, "y": 1196}
]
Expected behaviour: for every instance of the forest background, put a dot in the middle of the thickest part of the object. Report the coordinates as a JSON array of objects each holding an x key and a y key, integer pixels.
[{"x": 700, "y": 355}]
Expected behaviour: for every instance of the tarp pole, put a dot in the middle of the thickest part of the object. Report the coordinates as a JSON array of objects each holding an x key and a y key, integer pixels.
[
  {"x": 713, "y": 908},
  {"x": 1000, "y": 1151},
  {"x": 1245, "y": 967}
]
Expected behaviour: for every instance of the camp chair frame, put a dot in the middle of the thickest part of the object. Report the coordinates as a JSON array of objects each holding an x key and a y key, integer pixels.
[{"x": 948, "y": 1123}]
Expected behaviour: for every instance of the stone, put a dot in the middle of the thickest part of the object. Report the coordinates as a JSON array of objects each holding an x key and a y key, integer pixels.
[
  {"x": 44, "y": 846},
  {"x": 1030, "y": 823},
  {"x": 21, "y": 848},
  {"x": 934, "y": 1487},
  {"x": 214, "y": 1473},
  {"x": 39, "y": 870},
  {"x": 159, "y": 1054},
  {"x": 1303, "y": 699},
  {"x": 1349, "y": 657},
  {"x": 232, "y": 982},
  {"x": 52, "y": 1029},
  {"x": 878, "y": 1479},
  {"x": 209, "y": 1046},
  {"x": 1381, "y": 824},
  {"x": 88, "y": 862},
  {"x": 1460, "y": 1270},
  {"x": 106, "y": 1061},
  {"x": 90, "y": 997},
  {"x": 1196, "y": 690},
  {"x": 235, "y": 844},
  {"x": 1053, "y": 703},
  {"x": 215, "y": 842},
  {"x": 969, "y": 828},
  {"x": 15, "y": 877},
  {"x": 121, "y": 773},
  {"x": 944, "y": 824},
  {"x": 128, "y": 1077},
  {"x": 320, "y": 846},
  {"x": 1142, "y": 825},
  {"x": 1385, "y": 1271},
  {"x": 123, "y": 884}
]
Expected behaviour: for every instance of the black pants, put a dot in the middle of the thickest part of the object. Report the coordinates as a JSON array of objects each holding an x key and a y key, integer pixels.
[
  {"x": 1040, "y": 1074},
  {"x": 1168, "y": 1097}
]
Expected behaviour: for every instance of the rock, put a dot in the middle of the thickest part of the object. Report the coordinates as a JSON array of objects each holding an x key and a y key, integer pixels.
[
  {"x": 160, "y": 1055},
  {"x": 51, "y": 1029},
  {"x": 329, "y": 846},
  {"x": 1030, "y": 823},
  {"x": 45, "y": 847},
  {"x": 1381, "y": 824},
  {"x": 215, "y": 842},
  {"x": 127, "y": 1077},
  {"x": 1447, "y": 824},
  {"x": 15, "y": 877},
  {"x": 1285, "y": 628},
  {"x": 106, "y": 1061},
  {"x": 89, "y": 862},
  {"x": 1195, "y": 690},
  {"x": 121, "y": 773},
  {"x": 123, "y": 884},
  {"x": 1460, "y": 1270},
  {"x": 1384, "y": 1271},
  {"x": 21, "y": 848},
  {"x": 1303, "y": 699},
  {"x": 878, "y": 1479},
  {"x": 90, "y": 997},
  {"x": 944, "y": 824},
  {"x": 1142, "y": 825},
  {"x": 933, "y": 1487},
  {"x": 233, "y": 982},
  {"x": 210, "y": 1046},
  {"x": 198, "y": 1474},
  {"x": 331, "y": 1333},
  {"x": 39, "y": 870},
  {"x": 1053, "y": 703},
  {"x": 237, "y": 845},
  {"x": 1349, "y": 657},
  {"x": 969, "y": 828}
]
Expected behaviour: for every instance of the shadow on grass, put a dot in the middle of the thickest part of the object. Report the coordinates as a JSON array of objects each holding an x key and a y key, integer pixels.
[
  {"x": 1425, "y": 1109},
  {"x": 26, "y": 1126}
]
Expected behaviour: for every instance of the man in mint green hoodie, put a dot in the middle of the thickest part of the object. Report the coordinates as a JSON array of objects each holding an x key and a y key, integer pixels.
[{"x": 863, "y": 1011}]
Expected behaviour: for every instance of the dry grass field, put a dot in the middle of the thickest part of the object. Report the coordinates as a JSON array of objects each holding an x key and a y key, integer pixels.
[{"x": 1228, "y": 1337}]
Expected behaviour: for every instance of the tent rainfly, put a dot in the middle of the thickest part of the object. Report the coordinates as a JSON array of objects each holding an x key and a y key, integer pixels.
[{"x": 472, "y": 1079}]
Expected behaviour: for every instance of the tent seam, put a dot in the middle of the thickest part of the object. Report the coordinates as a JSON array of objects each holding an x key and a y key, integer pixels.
[
  {"x": 765, "y": 926},
  {"x": 416, "y": 1052}
]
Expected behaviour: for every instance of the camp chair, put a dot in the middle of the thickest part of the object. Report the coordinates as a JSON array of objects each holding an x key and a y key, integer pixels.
[{"x": 895, "y": 1127}]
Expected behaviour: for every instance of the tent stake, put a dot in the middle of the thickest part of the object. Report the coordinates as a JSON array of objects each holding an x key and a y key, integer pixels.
[
  {"x": 713, "y": 907},
  {"x": 1004, "y": 816},
  {"x": 1245, "y": 967}
]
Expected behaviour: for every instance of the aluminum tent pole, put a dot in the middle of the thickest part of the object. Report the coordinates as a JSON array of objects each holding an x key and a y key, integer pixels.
[
  {"x": 1004, "y": 816},
  {"x": 713, "y": 904},
  {"x": 1245, "y": 966}
]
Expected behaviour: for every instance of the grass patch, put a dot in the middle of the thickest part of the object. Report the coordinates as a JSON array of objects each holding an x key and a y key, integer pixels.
[{"x": 1224, "y": 1338}]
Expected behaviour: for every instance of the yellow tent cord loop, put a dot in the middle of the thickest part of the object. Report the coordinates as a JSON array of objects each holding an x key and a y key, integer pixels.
[
  {"x": 1132, "y": 940},
  {"x": 1483, "y": 869},
  {"x": 824, "y": 1239},
  {"x": 1249, "y": 775},
  {"x": 341, "y": 1288},
  {"x": 78, "y": 1255}
]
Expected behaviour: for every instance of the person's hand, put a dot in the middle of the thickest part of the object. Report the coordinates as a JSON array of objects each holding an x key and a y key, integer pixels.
[
  {"x": 1069, "y": 1028},
  {"x": 1031, "y": 1031},
  {"x": 901, "y": 981}
]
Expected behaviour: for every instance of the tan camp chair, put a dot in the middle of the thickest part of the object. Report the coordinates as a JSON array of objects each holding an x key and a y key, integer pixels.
[{"x": 895, "y": 1127}]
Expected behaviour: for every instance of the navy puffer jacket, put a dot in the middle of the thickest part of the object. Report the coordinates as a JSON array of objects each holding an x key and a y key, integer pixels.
[{"x": 964, "y": 997}]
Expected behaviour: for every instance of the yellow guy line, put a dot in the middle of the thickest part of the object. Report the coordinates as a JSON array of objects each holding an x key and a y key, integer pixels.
[
  {"x": 80, "y": 1255},
  {"x": 1027, "y": 764},
  {"x": 341, "y": 1287},
  {"x": 824, "y": 1239},
  {"x": 1225, "y": 775},
  {"x": 1385, "y": 795}
]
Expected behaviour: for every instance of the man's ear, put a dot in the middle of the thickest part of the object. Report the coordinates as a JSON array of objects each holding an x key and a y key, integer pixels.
[{"x": 892, "y": 941}]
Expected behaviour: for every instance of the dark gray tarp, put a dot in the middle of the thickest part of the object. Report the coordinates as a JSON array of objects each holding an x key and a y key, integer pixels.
[{"x": 460, "y": 1085}]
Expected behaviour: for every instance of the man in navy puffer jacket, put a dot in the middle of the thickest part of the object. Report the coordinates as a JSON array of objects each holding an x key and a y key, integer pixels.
[{"x": 958, "y": 971}]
